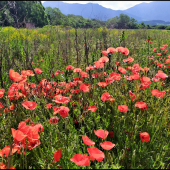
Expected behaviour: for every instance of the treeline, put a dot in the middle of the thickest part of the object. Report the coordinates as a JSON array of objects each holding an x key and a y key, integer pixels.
[{"x": 12, "y": 13}]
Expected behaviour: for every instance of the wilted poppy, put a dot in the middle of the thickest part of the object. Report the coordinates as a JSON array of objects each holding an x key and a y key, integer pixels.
[
  {"x": 144, "y": 137},
  {"x": 87, "y": 141},
  {"x": 107, "y": 145},
  {"x": 57, "y": 155},
  {"x": 92, "y": 108},
  {"x": 101, "y": 133},
  {"x": 29, "y": 105},
  {"x": 123, "y": 108},
  {"x": 141, "y": 105},
  {"x": 95, "y": 153},
  {"x": 81, "y": 160},
  {"x": 111, "y": 134}
]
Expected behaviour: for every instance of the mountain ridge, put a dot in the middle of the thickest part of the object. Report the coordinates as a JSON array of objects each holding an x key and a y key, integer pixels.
[{"x": 156, "y": 10}]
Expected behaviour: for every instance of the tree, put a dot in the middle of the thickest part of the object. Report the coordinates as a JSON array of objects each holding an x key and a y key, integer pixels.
[
  {"x": 112, "y": 22},
  {"x": 16, "y": 12},
  {"x": 123, "y": 21},
  {"x": 142, "y": 25}
]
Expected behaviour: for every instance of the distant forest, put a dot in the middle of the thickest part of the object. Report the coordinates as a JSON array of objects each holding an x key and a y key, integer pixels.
[{"x": 13, "y": 13}]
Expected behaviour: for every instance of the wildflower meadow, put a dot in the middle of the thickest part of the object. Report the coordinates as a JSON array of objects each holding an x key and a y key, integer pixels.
[{"x": 84, "y": 98}]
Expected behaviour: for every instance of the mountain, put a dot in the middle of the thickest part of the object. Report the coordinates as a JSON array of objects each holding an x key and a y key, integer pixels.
[
  {"x": 156, "y": 10},
  {"x": 155, "y": 22},
  {"x": 90, "y": 10}
]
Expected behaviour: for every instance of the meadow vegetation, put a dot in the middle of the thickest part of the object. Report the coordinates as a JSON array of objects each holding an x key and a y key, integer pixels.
[{"x": 84, "y": 98}]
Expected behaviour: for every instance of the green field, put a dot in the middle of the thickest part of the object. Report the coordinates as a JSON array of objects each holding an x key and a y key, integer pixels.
[{"x": 51, "y": 76}]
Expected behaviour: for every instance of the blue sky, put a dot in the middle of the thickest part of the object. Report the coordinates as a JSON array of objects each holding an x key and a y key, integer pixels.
[{"x": 115, "y": 5}]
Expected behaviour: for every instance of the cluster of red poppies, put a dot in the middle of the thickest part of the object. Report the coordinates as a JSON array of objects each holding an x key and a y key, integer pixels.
[{"x": 25, "y": 136}]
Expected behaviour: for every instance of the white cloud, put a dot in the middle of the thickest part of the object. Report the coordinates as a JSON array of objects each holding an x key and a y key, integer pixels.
[{"x": 115, "y": 5}]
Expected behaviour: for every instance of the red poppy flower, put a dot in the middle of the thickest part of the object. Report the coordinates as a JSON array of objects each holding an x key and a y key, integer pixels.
[
  {"x": 101, "y": 133},
  {"x": 64, "y": 111},
  {"x": 95, "y": 153},
  {"x": 27, "y": 73},
  {"x": 132, "y": 95},
  {"x": 122, "y": 70},
  {"x": 15, "y": 76},
  {"x": 104, "y": 52},
  {"x": 49, "y": 106},
  {"x": 84, "y": 74},
  {"x": 141, "y": 105},
  {"x": 154, "y": 49},
  {"x": 59, "y": 99},
  {"x": 111, "y": 134},
  {"x": 57, "y": 72},
  {"x": 161, "y": 75},
  {"x": 18, "y": 135},
  {"x": 53, "y": 120},
  {"x": 125, "y": 51},
  {"x": 157, "y": 93},
  {"x": 38, "y": 70},
  {"x": 107, "y": 145},
  {"x": 117, "y": 63},
  {"x": 119, "y": 49},
  {"x": 158, "y": 54},
  {"x": 134, "y": 76},
  {"x": 102, "y": 84},
  {"x": 123, "y": 108},
  {"x": 57, "y": 155},
  {"x": 109, "y": 80},
  {"x": 104, "y": 59},
  {"x": 105, "y": 96},
  {"x": 92, "y": 108},
  {"x": 144, "y": 137},
  {"x": 162, "y": 48},
  {"x": 2, "y": 91},
  {"x": 145, "y": 80},
  {"x": 81, "y": 160},
  {"x": 84, "y": 88},
  {"x": 115, "y": 76},
  {"x": 164, "y": 45},
  {"x": 87, "y": 141},
  {"x": 38, "y": 127},
  {"x": 111, "y": 50},
  {"x": 77, "y": 70},
  {"x": 98, "y": 64},
  {"x": 5, "y": 151},
  {"x": 1, "y": 105},
  {"x": 29, "y": 105}
]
